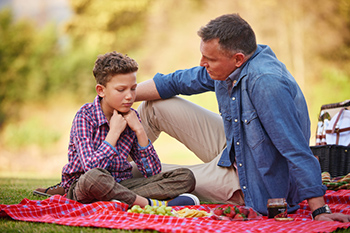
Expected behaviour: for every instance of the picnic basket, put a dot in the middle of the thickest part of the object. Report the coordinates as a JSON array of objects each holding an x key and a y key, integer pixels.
[{"x": 333, "y": 158}]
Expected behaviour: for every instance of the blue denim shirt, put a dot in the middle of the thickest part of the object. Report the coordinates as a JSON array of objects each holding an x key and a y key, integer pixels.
[{"x": 267, "y": 128}]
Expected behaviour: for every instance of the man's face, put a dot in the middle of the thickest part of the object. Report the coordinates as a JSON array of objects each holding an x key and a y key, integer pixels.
[{"x": 218, "y": 65}]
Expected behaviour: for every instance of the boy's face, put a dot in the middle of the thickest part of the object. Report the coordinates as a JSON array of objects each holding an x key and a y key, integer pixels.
[{"x": 118, "y": 94}]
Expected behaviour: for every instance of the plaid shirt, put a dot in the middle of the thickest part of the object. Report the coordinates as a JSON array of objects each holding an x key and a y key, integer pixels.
[{"x": 88, "y": 149}]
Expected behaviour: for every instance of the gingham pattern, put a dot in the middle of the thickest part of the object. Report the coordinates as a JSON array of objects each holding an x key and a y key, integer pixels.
[
  {"x": 88, "y": 149},
  {"x": 63, "y": 211}
]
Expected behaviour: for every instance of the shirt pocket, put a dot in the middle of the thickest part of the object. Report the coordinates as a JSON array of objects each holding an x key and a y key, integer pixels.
[
  {"x": 227, "y": 120},
  {"x": 253, "y": 129}
]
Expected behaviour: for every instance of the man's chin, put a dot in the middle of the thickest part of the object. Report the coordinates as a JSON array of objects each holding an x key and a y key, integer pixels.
[{"x": 216, "y": 78}]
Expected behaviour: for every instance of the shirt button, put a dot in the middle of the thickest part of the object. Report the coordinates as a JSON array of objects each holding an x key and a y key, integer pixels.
[
  {"x": 236, "y": 120},
  {"x": 245, "y": 121},
  {"x": 244, "y": 187},
  {"x": 240, "y": 165},
  {"x": 237, "y": 143},
  {"x": 233, "y": 98}
]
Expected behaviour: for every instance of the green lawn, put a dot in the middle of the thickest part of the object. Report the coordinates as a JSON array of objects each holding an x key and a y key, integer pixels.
[{"x": 14, "y": 190}]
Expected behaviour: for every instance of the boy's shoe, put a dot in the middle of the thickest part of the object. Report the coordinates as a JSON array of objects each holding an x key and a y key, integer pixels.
[
  {"x": 50, "y": 191},
  {"x": 184, "y": 199}
]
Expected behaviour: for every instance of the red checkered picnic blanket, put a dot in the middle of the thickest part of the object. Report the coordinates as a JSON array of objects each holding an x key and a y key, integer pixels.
[{"x": 60, "y": 210}]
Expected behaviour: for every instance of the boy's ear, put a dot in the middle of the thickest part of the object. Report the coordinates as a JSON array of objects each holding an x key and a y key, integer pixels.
[{"x": 100, "y": 89}]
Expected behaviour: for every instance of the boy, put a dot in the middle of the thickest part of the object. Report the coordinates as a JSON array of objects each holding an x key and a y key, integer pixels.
[{"x": 104, "y": 133}]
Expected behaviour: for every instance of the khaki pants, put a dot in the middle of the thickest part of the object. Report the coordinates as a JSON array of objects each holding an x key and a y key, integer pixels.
[{"x": 202, "y": 132}]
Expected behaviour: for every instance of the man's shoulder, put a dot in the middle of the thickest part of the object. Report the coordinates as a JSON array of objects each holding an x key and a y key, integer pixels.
[{"x": 264, "y": 61}]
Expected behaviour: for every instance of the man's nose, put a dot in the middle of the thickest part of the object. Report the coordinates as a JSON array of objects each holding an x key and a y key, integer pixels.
[{"x": 203, "y": 62}]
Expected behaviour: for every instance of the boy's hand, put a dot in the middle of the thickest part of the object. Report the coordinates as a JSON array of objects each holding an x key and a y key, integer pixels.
[
  {"x": 133, "y": 121},
  {"x": 136, "y": 126},
  {"x": 117, "y": 124}
]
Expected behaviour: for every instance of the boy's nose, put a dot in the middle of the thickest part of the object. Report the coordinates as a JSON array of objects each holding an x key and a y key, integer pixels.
[{"x": 128, "y": 95}]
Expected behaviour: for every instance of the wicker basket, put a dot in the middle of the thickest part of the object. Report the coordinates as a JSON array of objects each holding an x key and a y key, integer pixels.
[{"x": 334, "y": 159}]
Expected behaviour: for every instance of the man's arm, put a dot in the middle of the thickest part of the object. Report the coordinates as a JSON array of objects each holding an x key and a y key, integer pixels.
[
  {"x": 147, "y": 90},
  {"x": 317, "y": 202}
]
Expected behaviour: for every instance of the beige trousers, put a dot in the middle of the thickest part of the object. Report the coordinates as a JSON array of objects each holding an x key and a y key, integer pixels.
[{"x": 202, "y": 132}]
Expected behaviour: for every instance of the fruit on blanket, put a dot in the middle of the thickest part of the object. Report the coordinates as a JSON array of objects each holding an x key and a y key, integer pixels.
[
  {"x": 239, "y": 217},
  {"x": 235, "y": 213},
  {"x": 229, "y": 212},
  {"x": 159, "y": 210},
  {"x": 243, "y": 210},
  {"x": 218, "y": 211},
  {"x": 252, "y": 214}
]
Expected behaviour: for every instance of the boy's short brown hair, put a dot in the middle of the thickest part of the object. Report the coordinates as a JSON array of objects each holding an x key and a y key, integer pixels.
[{"x": 111, "y": 64}]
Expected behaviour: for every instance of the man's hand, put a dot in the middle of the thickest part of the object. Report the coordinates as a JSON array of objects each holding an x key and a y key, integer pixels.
[{"x": 333, "y": 217}]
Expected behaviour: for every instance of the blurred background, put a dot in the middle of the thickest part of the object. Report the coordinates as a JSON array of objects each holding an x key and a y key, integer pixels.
[{"x": 48, "y": 49}]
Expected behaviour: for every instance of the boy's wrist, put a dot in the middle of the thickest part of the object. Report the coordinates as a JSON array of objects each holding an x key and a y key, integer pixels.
[{"x": 142, "y": 138}]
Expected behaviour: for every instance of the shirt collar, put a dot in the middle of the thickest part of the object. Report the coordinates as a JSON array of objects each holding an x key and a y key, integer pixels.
[
  {"x": 233, "y": 77},
  {"x": 101, "y": 118},
  {"x": 236, "y": 74}
]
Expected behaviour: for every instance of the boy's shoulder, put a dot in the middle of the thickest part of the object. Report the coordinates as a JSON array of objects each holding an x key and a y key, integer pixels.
[{"x": 91, "y": 112}]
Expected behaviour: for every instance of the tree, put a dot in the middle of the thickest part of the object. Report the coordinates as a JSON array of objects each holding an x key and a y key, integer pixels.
[
  {"x": 26, "y": 56},
  {"x": 108, "y": 25}
]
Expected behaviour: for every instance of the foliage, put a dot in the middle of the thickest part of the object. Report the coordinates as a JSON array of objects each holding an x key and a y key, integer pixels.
[
  {"x": 111, "y": 25},
  {"x": 25, "y": 59},
  {"x": 41, "y": 65},
  {"x": 33, "y": 67},
  {"x": 30, "y": 132}
]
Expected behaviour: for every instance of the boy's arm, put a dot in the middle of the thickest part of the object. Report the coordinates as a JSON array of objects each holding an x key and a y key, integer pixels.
[
  {"x": 92, "y": 150},
  {"x": 117, "y": 124},
  {"x": 136, "y": 126},
  {"x": 143, "y": 152}
]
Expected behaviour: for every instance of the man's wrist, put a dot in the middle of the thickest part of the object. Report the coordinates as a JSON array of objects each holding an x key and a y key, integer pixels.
[{"x": 322, "y": 210}]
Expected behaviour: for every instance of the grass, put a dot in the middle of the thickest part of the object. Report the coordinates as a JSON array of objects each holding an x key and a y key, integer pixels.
[{"x": 14, "y": 190}]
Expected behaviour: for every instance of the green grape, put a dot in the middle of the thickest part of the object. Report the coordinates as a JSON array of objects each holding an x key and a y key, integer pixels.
[{"x": 159, "y": 210}]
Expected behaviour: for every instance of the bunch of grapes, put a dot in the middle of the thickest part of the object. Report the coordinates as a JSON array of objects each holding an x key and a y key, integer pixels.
[{"x": 159, "y": 210}]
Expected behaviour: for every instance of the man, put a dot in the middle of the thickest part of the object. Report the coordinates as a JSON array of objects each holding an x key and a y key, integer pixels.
[{"x": 266, "y": 128}]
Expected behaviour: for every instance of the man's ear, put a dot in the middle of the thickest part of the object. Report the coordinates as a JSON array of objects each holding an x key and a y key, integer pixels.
[
  {"x": 100, "y": 89},
  {"x": 240, "y": 59}
]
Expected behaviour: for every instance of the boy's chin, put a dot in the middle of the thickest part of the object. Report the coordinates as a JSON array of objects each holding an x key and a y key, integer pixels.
[{"x": 123, "y": 111}]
